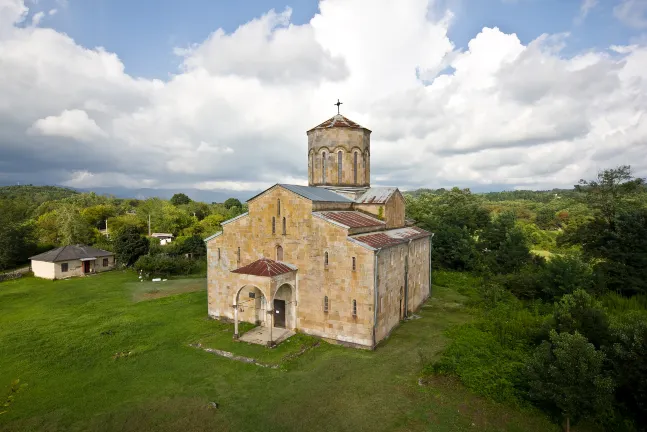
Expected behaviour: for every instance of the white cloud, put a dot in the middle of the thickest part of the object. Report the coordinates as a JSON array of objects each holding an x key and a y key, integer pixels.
[
  {"x": 235, "y": 115},
  {"x": 632, "y": 13},
  {"x": 37, "y": 18},
  {"x": 585, "y": 7},
  {"x": 70, "y": 124}
]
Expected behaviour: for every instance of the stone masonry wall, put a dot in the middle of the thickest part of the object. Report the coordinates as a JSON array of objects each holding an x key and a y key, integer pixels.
[
  {"x": 304, "y": 244},
  {"x": 391, "y": 283},
  {"x": 331, "y": 141}
]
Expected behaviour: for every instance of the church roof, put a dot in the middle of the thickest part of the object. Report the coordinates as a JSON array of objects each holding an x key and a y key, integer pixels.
[
  {"x": 71, "y": 252},
  {"x": 351, "y": 219},
  {"x": 384, "y": 239},
  {"x": 338, "y": 121},
  {"x": 314, "y": 193},
  {"x": 376, "y": 195},
  {"x": 265, "y": 267}
]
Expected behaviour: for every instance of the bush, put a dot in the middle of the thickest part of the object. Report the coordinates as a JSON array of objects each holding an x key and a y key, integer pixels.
[{"x": 164, "y": 265}]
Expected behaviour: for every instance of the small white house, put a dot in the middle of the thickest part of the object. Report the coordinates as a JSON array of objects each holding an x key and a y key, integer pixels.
[
  {"x": 69, "y": 261},
  {"x": 164, "y": 238}
]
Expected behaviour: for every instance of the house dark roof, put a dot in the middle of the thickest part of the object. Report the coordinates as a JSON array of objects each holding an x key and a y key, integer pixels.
[
  {"x": 68, "y": 253},
  {"x": 352, "y": 219},
  {"x": 265, "y": 267},
  {"x": 338, "y": 121},
  {"x": 376, "y": 195},
  {"x": 384, "y": 239}
]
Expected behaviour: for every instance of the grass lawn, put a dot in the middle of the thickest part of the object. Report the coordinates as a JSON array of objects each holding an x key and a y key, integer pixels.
[{"x": 60, "y": 338}]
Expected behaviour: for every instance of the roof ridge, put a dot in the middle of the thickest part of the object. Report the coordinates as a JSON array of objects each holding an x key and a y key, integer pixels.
[{"x": 62, "y": 248}]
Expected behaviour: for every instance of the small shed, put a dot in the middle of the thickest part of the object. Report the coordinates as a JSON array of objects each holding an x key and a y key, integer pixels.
[
  {"x": 73, "y": 260},
  {"x": 164, "y": 238}
]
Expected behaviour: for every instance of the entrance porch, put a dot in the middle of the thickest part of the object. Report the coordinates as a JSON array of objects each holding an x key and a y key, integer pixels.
[{"x": 266, "y": 296}]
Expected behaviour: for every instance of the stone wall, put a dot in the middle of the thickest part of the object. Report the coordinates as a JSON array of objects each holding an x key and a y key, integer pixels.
[
  {"x": 331, "y": 141},
  {"x": 306, "y": 240},
  {"x": 391, "y": 283},
  {"x": 392, "y": 211}
]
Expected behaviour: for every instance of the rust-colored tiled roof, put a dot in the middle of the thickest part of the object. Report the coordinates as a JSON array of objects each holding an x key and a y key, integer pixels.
[
  {"x": 265, "y": 267},
  {"x": 338, "y": 121},
  {"x": 392, "y": 237},
  {"x": 352, "y": 219}
]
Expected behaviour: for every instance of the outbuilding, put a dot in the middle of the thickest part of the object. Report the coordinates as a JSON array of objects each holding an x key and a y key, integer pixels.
[{"x": 73, "y": 260}]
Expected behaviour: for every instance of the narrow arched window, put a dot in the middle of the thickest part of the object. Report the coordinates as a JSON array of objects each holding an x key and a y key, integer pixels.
[
  {"x": 325, "y": 258},
  {"x": 218, "y": 254},
  {"x": 323, "y": 167},
  {"x": 273, "y": 225},
  {"x": 354, "y": 265},
  {"x": 279, "y": 253},
  {"x": 238, "y": 255},
  {"x": 339, "y": 166},
  {"x": 326, "y": 304},
  {"x": 355, "y": 167},
  {"x": 284, "y": 227},
  {"x": 354, "y": 307},
  {"x": 312, "y": 167},
  {"x": 365, "y": 162},
  {"x": 278, "y": 207}
]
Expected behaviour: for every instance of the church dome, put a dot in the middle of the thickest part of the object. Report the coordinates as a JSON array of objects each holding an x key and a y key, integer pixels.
[{"x": 338, "y": 121}]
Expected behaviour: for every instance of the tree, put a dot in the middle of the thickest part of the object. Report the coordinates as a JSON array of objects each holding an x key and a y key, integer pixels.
[
  {"x": 129, "y": 245},
  {"x": 612, "y": 192},
  {"x": 98, "y": 214},
  {"x": 180, "y": 199},
  {"x": 564, "y": 274},
  {"x": 565, "y": 376},
  {"x": 582, "y": 313},
  {"x": 232, "y": 202},
  {"x": 194, "y": 245},
  {"x": 504, "y": 245},
  {"x": 546, "y": 219},
  {"x": 628, "y": 355},
  {"x": 454, "y": 248}
]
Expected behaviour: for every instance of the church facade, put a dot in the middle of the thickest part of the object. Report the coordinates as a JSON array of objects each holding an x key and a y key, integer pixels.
[{"x": 334, "y": 259}]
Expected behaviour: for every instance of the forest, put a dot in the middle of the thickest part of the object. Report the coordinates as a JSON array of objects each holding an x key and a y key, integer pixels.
[
  {"x": 557, "y": 280},
  {"x": 35, "y": 219}
]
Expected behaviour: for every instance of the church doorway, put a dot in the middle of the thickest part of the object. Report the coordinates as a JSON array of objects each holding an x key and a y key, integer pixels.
[
  {"x": 285, "y": 307},
  {"x": 279, "y": 313}
]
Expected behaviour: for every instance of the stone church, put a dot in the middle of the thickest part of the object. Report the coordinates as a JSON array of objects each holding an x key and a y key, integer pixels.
[{"x": 334, "y": 259}]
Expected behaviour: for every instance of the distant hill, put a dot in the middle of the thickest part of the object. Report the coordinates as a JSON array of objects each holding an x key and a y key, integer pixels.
[
  {"x": 206, "y": 196},
  {"x": 36, "y": 194},
  {"x": 49, "y": 193}
]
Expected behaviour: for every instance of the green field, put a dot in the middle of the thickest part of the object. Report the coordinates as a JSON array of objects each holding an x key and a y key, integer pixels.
[{"x": 102, "y": 353}]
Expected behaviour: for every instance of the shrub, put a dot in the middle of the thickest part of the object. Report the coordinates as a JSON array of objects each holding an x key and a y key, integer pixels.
[{"x": 164, "y": 265}]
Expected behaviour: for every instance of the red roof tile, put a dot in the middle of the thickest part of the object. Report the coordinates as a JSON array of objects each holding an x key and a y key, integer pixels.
[
  {"x": 352, "y": 219},
  {"x": 338, "y": 121},
  {"x": 264, "y": 267},
  {"x": 392, "y": 237}
]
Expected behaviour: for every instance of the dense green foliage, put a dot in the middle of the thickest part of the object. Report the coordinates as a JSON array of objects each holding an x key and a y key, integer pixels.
[
  {"x": 558, "y": 290},
  {"x": 34, "y": 219}
]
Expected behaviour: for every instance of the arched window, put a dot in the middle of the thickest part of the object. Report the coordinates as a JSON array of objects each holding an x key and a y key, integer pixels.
[
  {"x": 273, "y": 225},
  {"x": 325, "y": 258},
  {"x": 323, "y": 167},
  {"x": 218, "y": 254},
  {"x": 354, "y": 307},
  {"x": 353, "y": 263},
  {"x": 339, "y": 166},
  {"x": 355, "y": 167},
  {"x": 312, "y": 167},
  {"x": 326, "y": 304},
  {"x": 278, "y": 207},
  {"x": 279, "y": 253},
  {"x": 238, "y": 255},
  {"x": 284, "y": 227},
  {"x": 365, "y": 160}
]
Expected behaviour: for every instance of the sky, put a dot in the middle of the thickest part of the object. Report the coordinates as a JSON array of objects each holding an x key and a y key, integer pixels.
[{"x": 217, "y": 95}]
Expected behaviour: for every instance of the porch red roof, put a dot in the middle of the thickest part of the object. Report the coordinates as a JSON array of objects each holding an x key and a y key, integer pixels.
[{"x": 265, "y": 267}]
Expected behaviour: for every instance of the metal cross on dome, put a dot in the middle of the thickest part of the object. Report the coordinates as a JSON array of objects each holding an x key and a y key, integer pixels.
[{"x": 338, "y": 104}]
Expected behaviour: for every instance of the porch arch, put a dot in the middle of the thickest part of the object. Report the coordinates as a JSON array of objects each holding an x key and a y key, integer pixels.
[
  {"x": 286, "y": 292},
  {"x": 252, "y": 306}
]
